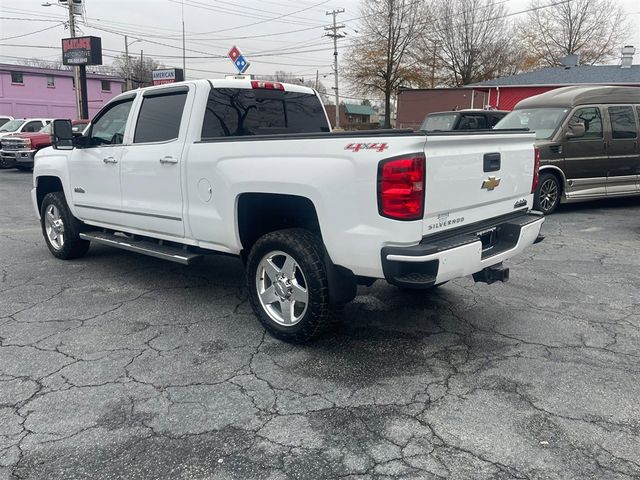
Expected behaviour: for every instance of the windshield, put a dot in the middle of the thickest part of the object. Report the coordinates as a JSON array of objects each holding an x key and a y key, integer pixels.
[
  {"x": 12, "y": 126},
  {"x": 440, "y": 121},
  {"x": 543, "y": 121},
  {"x": 46, "y": 129}
]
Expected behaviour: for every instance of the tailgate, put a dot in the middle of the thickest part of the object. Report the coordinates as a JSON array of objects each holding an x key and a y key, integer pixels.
[{"x": 475, "y": 177}]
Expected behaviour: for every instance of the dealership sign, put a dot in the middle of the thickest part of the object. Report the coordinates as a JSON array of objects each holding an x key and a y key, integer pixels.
[
  {"x": 82, "y": 51},
  {"x": 167, "y": 75}
]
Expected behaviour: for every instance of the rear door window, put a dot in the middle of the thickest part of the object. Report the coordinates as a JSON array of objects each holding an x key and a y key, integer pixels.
[
  {"x": 472, "y": 122},
  {"x": 623, "y": 122},
  {"x": 236, "y": 112},
  {"x": 160, "y": 117}
]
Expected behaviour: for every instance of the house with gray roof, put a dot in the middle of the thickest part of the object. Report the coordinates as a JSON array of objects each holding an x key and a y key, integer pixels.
[{"x": 505, "y": 92}]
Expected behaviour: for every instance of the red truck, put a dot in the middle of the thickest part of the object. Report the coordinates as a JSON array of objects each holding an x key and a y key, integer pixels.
[{"x": 18, "y": 150}]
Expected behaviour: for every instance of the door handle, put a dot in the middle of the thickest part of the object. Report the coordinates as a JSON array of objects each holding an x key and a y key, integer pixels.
[
  {"x": 168, "y": 159},
  {"x": 109, "y": 160}
]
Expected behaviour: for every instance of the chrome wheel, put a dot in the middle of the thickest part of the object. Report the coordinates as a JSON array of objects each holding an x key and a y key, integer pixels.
[
  {"x": 548, "y": 195},
  {"x": 54, "y": 226},
  {"x": 282, "y": 288}
]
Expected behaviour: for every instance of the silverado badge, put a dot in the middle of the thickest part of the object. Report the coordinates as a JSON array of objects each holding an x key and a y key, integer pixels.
[{"x": 491, "y": 183}]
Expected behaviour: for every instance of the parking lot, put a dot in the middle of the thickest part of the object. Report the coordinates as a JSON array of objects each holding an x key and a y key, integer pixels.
[{"x": 123, "y": 366}]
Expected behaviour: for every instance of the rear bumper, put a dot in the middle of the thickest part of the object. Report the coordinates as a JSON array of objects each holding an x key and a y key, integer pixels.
[{"x": 460, "y": 252}]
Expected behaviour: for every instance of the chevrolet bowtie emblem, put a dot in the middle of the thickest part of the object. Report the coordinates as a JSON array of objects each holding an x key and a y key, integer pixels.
[{"x": 491, "y": 183}]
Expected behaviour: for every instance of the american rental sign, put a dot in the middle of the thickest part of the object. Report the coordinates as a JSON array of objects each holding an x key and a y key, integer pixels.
[
  {"x": 82, "y": 51},
  {"x": 168, "y": 75}
]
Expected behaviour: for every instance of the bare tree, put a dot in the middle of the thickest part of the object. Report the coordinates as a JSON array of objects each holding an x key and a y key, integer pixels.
[
  {"x": 289, "y": 77},
  {"x": 593, "y": 29},
  {"x": 40, "y": 63},
  {"x": 380, "y": 61},
  {"x": 470, "y": 39},
  {"x": 140, "y": 69}
]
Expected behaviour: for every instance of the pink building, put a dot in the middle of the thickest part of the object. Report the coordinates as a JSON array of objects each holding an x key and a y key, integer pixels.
[{"x": 47, "y": 93}]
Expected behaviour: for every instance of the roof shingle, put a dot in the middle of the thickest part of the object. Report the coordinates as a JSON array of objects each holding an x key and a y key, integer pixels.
[
  {"x": 353, "y": 109},
  {"x": 560, "y": 76}
]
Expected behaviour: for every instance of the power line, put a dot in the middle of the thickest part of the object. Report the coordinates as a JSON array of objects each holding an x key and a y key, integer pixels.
[
  {"x": 253, "y": 14},
  {"x": 30, "y": 19},
  {"x": 263, "y": 21},
  {"x": 261, "y": 54},
  {"x": 33, "y": 33}
]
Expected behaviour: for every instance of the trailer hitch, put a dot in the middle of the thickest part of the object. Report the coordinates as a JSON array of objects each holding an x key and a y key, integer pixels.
[{"x": 489, "y": 275}]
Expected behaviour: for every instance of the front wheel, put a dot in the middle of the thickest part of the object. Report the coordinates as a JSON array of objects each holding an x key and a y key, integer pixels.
[
  {"x": 547, "y": 196},
  {"x": 6, "y": 162},
  {"x": 288, "y": 286},
  {"x": 61, "y": 229}
]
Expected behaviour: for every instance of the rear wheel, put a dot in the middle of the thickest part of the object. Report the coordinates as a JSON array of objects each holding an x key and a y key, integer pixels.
[
  {"x": 547, "y": 196},
  {"x": 61, "y": 229},
  {"x": 288, "y": 286}
]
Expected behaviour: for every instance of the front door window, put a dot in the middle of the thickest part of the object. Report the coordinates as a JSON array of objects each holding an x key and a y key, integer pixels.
[
  {"x": 109, "y": 127},
  {"x": 591, "y": 119}
]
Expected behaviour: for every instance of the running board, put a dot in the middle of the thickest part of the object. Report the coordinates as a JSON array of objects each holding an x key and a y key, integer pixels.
[{"x": 146, "y": 247}]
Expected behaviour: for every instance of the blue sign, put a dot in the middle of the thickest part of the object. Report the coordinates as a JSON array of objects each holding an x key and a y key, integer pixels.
[
  {"x": 238, "y": 59},
  {"x": 241, "y": 64}
]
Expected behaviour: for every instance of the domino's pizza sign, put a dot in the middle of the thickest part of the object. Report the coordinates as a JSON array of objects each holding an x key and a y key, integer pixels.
[{"x": 238, "y": 59}]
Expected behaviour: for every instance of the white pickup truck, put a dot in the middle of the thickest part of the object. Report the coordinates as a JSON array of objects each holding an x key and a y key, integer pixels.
[{"x": 250, "y": 168}]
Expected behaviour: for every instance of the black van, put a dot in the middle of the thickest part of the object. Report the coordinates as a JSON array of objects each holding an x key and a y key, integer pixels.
[
  {"x": 588, "y": 142},
  {"x": 471, "y": 119}
]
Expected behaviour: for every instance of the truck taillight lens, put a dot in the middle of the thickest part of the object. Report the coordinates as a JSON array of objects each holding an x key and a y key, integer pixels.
[
  {"x": 259, "y": 84},
  {"x": 401, "y": 183},
  {"x": 536, "y": 169}
]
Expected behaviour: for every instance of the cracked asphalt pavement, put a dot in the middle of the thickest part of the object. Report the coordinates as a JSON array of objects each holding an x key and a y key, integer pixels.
[{"x": 122, "y": 366}]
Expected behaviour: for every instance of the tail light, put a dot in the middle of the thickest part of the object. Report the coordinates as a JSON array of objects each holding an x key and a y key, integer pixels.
[
  {"x": 536, "y": 169},
  {"x": 401, "y": 184},
  {"x": 259, "y": 84}
]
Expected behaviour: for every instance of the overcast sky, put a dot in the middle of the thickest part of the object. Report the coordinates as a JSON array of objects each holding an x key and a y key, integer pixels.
[{"x": 272, "y": 34}]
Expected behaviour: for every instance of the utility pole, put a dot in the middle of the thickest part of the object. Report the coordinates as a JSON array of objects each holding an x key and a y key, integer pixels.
[
  {"x": 333, "y": 31},
  {"x": 184, "y": 59},
  {"x": 141, "y": 73},
  {"x": 317, "y": 79},
  {"x": 433, "y": 64},
  {"x": 76, "y": 72},
  {"x": 127, "y": 68}
]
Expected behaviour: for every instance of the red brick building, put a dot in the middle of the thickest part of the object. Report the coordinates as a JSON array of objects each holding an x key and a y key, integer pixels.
[{"x": 415, "y": 104}]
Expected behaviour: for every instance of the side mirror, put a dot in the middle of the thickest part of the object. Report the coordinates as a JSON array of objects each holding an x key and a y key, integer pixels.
[
  {"x": 62, "y": 135},
  {"x": 576, "y": 130}
]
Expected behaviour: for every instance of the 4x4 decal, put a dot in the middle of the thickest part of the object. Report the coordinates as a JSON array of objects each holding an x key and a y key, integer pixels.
[{"x": 356, "y": 147}]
